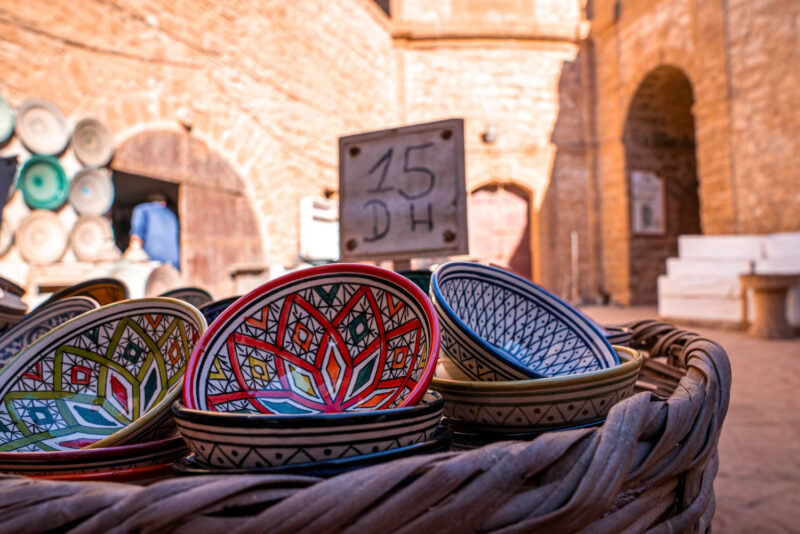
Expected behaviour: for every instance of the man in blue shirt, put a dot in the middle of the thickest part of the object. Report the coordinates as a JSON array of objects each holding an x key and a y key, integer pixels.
[{"x": 156, "y": 229}]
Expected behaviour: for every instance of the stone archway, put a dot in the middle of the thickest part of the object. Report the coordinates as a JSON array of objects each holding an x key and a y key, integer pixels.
[
  {"x": 661, "y": 169},
  {"x": 500, "y": 227},
  {"x": 218, "y": 226}
]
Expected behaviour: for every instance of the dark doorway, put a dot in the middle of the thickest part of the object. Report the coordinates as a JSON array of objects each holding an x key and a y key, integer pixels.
[
  {"x": 662, "y": 176},
  {"x": 130, "y": 190},
  {"x": 500, "y": 227}
]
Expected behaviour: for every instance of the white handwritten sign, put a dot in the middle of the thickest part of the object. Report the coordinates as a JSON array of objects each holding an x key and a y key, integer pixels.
[
  {"x": 647, "y": 203},
  {"x": 402, "y": 192}
]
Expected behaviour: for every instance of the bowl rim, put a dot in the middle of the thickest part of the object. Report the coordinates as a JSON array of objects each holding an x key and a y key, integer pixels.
[
  {"x": 307, "y": 420},
  {"x": 416, "y": 393},
  {"x": 82, "y": 286},
  {"x": 450, "y": 314},
  {"x": 156, "y": 409},
  {"x": 85, "y": 455},
  {"x": 632, "y": 363}
]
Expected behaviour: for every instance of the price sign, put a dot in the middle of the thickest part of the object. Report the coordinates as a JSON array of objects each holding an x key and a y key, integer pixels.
[{"x": 402, "y": 192}]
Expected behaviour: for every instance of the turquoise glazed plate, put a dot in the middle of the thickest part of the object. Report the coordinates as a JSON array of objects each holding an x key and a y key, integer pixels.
[
  {"x": 43, "y": 183},
  {"x": 499, "y": 326},
  {"x": 106, "y": 377},
  {"x": 334, "y": 338}
]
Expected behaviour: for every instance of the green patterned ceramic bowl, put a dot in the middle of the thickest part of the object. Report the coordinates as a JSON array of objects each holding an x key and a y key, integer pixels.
[
  {"x": 107, "y": 377},
  {"x": 535, "y": 405},
  {"x": 43, "y": 183}
]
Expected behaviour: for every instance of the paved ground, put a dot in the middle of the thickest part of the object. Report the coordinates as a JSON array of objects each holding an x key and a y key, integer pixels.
[{"x": 758, "y": 485}]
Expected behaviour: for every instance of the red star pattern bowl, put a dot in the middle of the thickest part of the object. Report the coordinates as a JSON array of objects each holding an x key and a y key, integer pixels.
[{"x": 335, "y": 338}]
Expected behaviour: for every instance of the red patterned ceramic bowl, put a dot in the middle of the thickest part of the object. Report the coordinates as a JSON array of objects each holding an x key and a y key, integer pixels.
[{"x": 334, "y": 338}]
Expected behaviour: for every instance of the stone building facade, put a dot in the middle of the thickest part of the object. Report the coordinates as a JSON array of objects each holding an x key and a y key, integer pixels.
[{"x": 562, "y": 100}]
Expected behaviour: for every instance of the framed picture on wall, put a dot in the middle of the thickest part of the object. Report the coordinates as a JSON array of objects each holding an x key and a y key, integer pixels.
[{"x": 647, "y": 203}]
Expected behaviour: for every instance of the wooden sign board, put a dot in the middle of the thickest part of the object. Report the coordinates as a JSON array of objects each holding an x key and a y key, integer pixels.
[
  {"x": 402, "y": 192},
  {"x": 647, "y": 203}
]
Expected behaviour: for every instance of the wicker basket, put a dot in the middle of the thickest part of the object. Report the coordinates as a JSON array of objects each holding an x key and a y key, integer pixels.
[{"x": 650, "y": 466}]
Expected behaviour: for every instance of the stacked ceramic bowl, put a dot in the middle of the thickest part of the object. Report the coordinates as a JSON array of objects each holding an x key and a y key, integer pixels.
[
  {"x": 12, "y": 309},
  {"x": 518, "y": 360},
  {"x": 91, "y": 397},
  {"x": 320, "y": 371}
]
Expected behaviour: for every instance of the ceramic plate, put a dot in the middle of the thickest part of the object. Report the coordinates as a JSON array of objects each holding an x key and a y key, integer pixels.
[
  {"x": 40, "y": 237},
  {"x": 213, "y": 310},
  {"x": 56, "y": 464},
  {"x": 421, "y": 277},
  {"x": 536, "y": 405},
  {"x": 332, "y": 338},
  {"x": 499, "y": 326},
  {"x": 325, "y": 468},
  {"x": 193, "y": 295},
  {"x": 36, "y": 324},
  {"x": 41, "y": 127},
  {"x": 103, "y": 290},
  {"x": 106, "y": 377},
  {"x": 91, "y": 237},
  {"x": 6, "y": 235},
  {"x": 91, "y": 192},
  {"x": 253, "y": 441},
  {"x": 92, "y": 143},
  {"x": 10, "y": 287},
  {"x": 43, "y": 183},
  {"x": 6, "y": 121}
]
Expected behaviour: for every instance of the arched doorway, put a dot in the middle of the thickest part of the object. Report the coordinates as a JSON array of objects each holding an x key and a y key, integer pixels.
[
  {"x": 218, "y": 226},
  {"x": 500, "y": 227},
  {"x": 662, "y": 176}
]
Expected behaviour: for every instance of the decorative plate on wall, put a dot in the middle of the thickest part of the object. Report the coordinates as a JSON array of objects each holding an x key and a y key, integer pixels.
[
  {"x": 91, "y": 237},
  {"x": 91, "y": 192},
  {"x": 108, "y": 376},
  {"x": 40, "y": 237},
  {"x": 6, "y": 121},
  {"x": 92, "y": 143},
  {"x": 43, "y": 183},
  {"x": 41, "y": 321},
  {"x": 6, "y": 235},
  {"x": 41, "y": 127},
  {"x": 334, "y": 338}
]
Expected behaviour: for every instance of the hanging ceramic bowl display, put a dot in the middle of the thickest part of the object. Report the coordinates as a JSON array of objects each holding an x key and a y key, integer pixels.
[
  {"x": 41, "y": 127},
  {"x": 195, "y": 296},
  {"x": 91, "y": 192},
  {"x": 106, "y": 377},
  {"x": 92, "y": 143},
  {"x": 43, "y": 183},
  {"x": 91, "y": 237},
  {"x": 40, "y": 237},
  {"x": 42, "y": 320},
  {"x": 103, "y": 290},
  {"x": 6, "y": 121},
  {"x": 334, "y": 338},
  {"x": 499, "y": 326},
  {"x": 6, "y": 235}
]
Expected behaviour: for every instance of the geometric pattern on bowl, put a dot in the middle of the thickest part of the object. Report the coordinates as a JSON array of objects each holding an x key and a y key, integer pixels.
[
  {"x": 537, "y": 405},
  {"x": 37, "y": 324},
  {"x": 498, "y": 326},
  {"x": 223, "y": 440},
  {"x": 325, "y": 339},
  {"x": 72, "y": 462},
  {"x": 105, "y": 377},
  {"x": 618, "y": 335}
]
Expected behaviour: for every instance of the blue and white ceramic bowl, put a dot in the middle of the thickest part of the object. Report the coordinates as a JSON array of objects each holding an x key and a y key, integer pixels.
[{"x": 499, "y": 326}]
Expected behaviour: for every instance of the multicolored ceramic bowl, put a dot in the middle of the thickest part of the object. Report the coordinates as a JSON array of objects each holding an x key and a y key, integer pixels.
[
  {"x": 106, "y": 377},
  {"x": 38, "y": 323},
  {"x": 618, "y": 335},
  {"x": 536, "y": 405},
  {"x": 334, "y": 338},
  {"x": 103, "y": 290},
  {"x": 499, "y": 326},
  {"x": 61, "y": 464},
  {"x": 195, "y": 296},
  {"x": 250, "y": 441},
  {"x": 421, "y": 277}
]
